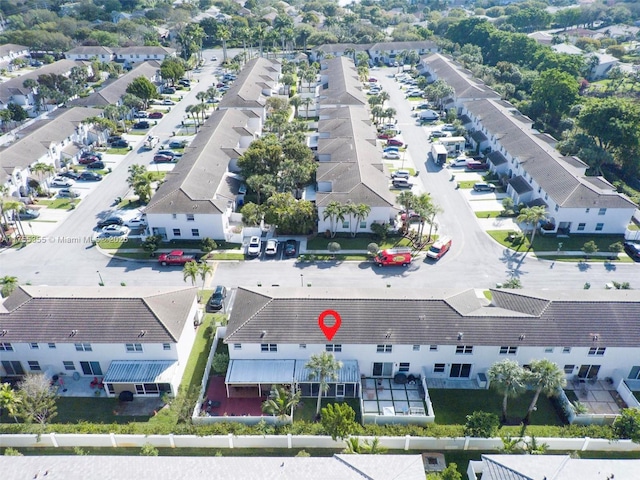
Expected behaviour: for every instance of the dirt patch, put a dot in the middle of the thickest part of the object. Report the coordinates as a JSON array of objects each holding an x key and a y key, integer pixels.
[{"x": 142, "y": 407}]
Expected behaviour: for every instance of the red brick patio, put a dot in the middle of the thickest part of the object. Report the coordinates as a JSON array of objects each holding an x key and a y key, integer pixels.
[{"x": 233, "y": 407}]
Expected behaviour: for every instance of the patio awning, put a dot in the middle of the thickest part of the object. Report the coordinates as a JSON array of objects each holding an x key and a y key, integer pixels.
[
  {"x": 252, "y": 372},
  {"x": 349, "y": 373},
  {"x": 140, "y": 371}
]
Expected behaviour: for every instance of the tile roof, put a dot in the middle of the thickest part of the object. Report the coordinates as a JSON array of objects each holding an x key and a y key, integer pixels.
[
  {"x": 372, "y": 316},
  {"x": 564, "y": 181},
  {"x": 112, "y": 91},
  {"x": 90, "y": 50},
  {"x": 246, "y": 91},
  {"x": 462, "y": 81},
  {"x": 412, "y": 45},
  {"x": 35, "y": 144},
  {"x": 338, "y": 467},
  {"x": 343, "y": 84},
  {"x": 194, "y": 183},
  {"x": 96, "y": 314},
  {"x": 15, "y": 85}
]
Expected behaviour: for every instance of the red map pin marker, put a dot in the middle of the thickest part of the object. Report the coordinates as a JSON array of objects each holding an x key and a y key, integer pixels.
[{"x": 329, "y": 330}]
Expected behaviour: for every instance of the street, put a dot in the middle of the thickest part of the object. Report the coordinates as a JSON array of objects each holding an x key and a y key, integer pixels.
[{"x": 474, "y": 261}]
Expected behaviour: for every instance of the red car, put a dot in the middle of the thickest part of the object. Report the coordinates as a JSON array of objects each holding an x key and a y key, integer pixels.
[
  {"x": 88, "y": 159},
  {"x": 476, "y": 165},
  {"x": 385, "y": 136},
  {"x": 392, "y": 142},
  {"x": 160, "y": 158},
  {"x": 155, "y": 115}
]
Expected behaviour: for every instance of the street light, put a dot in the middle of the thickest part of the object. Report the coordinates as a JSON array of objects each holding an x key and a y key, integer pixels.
[
  {"x": 100, "y": 276},
  {"x": 301, "y": 280}
]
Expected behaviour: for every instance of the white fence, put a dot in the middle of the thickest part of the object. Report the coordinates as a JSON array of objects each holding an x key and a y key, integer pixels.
[
  {"x": 54, "y": 440},
  {"x": 626, "y": 394}
]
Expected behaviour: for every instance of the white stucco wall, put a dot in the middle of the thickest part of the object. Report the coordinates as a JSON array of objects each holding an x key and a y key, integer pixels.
[
  {"x": 378, "y": 214},
  {"x": 208, "y": 225}
]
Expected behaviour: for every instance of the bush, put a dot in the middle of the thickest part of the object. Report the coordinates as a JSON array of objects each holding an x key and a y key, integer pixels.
[
  {"x": 220, "y": 363},
  {"x": 627, "y": 425},
  {"x": 482, "y": 424}
]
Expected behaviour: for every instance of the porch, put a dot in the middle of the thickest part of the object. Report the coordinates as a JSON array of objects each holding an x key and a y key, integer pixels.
[
  {"x": 217, "y": 403},
  {"x": 382, "y": 396},
  {"x": 600, "y": 397},
  {"x": 78, "y": 386}
]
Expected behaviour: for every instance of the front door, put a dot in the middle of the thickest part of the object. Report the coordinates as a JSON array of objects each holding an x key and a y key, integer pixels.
[
  {"x": 588, "y": 371},
  {"x": 460, "y": 370},
  {"x": 340, "y": 390},
  {"x": 91, "y": 368},
  {"x": 381, "y": 369}
]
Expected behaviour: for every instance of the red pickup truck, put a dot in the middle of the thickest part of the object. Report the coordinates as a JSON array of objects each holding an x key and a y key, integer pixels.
[{"x": 175, "y": 257}]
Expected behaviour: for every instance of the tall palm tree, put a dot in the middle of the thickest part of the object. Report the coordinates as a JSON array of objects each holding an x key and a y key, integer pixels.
[
  {"x": 323, "y": 367},
  {"x": 507, "y": 377},
  {"x": 361, "y": 212},
  {"x": 407, "y": 199},
  {"x": 190, "y": 271},
  {"x": 334, "y": 211},
  {"x": 350, "y": 209},
  {"x": 15, "y": 206},
  {"x": 9, "y": 400},
  {"x": 4, "y": 190},
  {"x": 43, "y": 171},
  {"x": 532, "y": 216},
  {"x": 307, "y": 102},
  {"x": 546, "y": 377},
  {"x": 295, "y": 102},
  {"x": 281, "y": 402},
  {"x": 224, "y": 34},
  {"x": 204, "y": 269}
]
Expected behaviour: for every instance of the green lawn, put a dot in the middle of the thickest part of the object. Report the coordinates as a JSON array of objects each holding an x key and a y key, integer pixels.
[
  {"x": 550, "y": 243},
  {"x": 114, "y": 244},
  {"x": 491, "y": 214},
  {"x": 452, "y": 406},
  {"x": 197, "y": 362},
  {"x": 118, "y": 151},
  {"x": 60, "y": 203},
  {"x": 306, "y": 409},
  {"x": 91, "y": 409},
  {"x": 358, "y": 243}
]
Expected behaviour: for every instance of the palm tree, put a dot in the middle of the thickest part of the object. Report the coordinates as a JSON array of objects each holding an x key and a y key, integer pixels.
[
  {"x": 190, "y": 271},
  {"x": 532, "y": 216},
  {"x": 323, "y": 367},
  {"x": 204, "y": 269},
  {"x": 546, "y": 377},
  {"x": 295, "y": 102},
  {"x": 350, "y": 209},
  {"x": 407, "y": 199},
  {"x": 334, "y": 211},
  {"x": 42, "y": 171},
  {"x": 9, "y": 400},
  {"x": 15, "y": 206},
  {"x": 4, "y": 190},
  {"x": 361, "y": 212},
  {"x": 307, "y": 101},
  {"x": 224, "y": 34},
  {"x": 281, "y": 402},
  {"x": 507, "y": 377}
]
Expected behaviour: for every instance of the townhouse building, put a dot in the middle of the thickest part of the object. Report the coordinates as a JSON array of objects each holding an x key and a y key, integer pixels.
[
  {"x": 90, "y": 52},
  {"x": 57, "y": 140},
  {"x": 135, "y": 340},
  {"x": 11, "y": 51},
  {"x": 390, "y": 52},
  {"x": 199, "y": 195},
  {"x": 142, "y": 53}
]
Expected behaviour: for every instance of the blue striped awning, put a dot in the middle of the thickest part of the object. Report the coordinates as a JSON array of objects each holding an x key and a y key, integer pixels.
[{"x": 140, "y": 371}]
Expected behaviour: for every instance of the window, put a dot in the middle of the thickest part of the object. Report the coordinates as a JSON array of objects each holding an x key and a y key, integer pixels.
[
  {"x": 404, "y": 367},
  {"x": 176, "y": 232},
  {"x": 52, "y": 345},
  {"x": 83, "y": 347},
  {"x": 91, "y": 368},
  {"x": 548, "y": 350},
  {"x": 133, "y": 347},
  {"x": 363, "y": 224},
  {"x": 599, "y": 351},
  {"x": 568, "y": 369},
  {"x": 190, "y": 217},
  {"x": 586, "y": 210},
  {"x": 566, "y": 349},
  {"x": 6, "y": 347},
  {"x": 174, "y": 215},
  {"x": 433, "y": 348},
  {"x": 345, "y": 224},
  {"x": 581, "y": 226},
  {"x": 416, "y": 348},
  {"x": 602, "y": 211},
  {"x": 333, "y": 348},
  {"x": 634, "y": 374},
  {"x": 34, "y": 366},
  {"x": 599, "y": 227},
  {"x": 438, "y": 368},
  {"x": 34, "y": 346},
  {"x": 302, "y": 346},
  {"x": 69, "y": 365},
  {"x": 384, "y": 348},
  {"x": 508, "y": 350},
  {"x": 195, "y": 232},
  {"x": 166, "y": 346},
  {"x": 12, "y": 367},
  {"x": 464, "y": 349},
  {"x": 269, "y": 347},
  {"x": 237, "y": 346}
]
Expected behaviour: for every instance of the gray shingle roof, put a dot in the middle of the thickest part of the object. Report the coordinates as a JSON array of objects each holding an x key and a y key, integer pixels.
[
  {"x": 192, "y": 186},
  {"x": 145, "y": 50},
  {"x": 497, "y": 158},
  {"x": 111, "y": 92},
  {"x": 90, "y": 50},
  {"x": 463, "y": 83},
  {"x": 564, "y": 182},
  {"x": 372, "y": 316},
  {"x": 341, "y": 47},
  {"x": 338, "y": 467},
  {"x": 8, "y": 48},
  {"x": 35, "y": 144},
  {"x": 520, "y": 185},
  {"x": 97, "y": 314},
  {"x": 15, "y": 85},
  {"x": 416, "y": 45},
  {"x": 246, "y": 91},
  {"x": 343, "y": 84}
]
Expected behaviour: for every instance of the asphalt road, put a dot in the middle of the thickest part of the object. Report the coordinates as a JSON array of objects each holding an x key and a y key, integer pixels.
[{"x": 474, "y": 260}]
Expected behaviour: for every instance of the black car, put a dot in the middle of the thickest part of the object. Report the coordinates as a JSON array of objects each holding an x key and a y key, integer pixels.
[
  {"x": 27, "y": 214},
  {"x": 114, "y": 138},
  {"x": 90, "y": 177},
  {"x": 96, "y": 165},
  {"x": 141, "y": 125},
  {"x": 216, "y": 302},
  {"x": 91, "y": 154},
  {"x": 290, "y": 247},
  {"x": 110, "y": 221},
  {"x": 633, "y": 250},
  {"x": 70, "y": 174},
  {"x": 122, "y": 143}
]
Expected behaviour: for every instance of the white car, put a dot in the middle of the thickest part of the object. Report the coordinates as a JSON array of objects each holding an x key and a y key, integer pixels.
[
  {"x": 136, "y": 222},
  {"x": 461, "y": 161},
  {"x": 114, "y": 231},
  {"x": 271, "y": 248},
  {"x": 448, "y": 127},
  {"x": 255, "y": 246},
  {"x": 62, "y": 182},
  {"x": 392, "y": 155},
  {"x": 168, "y": 101}
]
